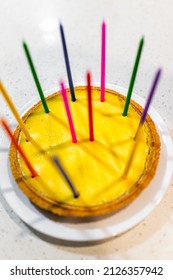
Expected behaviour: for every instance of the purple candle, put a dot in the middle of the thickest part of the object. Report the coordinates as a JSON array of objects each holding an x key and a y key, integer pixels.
[
  {"x": 143, "y": 116},
  {"x": 149, "y": 99},
  {"x": 150, "y": 96}
]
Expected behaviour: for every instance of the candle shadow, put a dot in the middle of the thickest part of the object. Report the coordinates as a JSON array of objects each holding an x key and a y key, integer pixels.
[
  {"x": 4, "y": 150},
  {"x": 57, "y": 119},
  {"x": 69, "y": 221},
  {"x": 99, "y": 109},
  {"x": 90, "y": 150},
  {"x": 28, "y": 229},
  {"x": 111, "y": 151},
  {"x": 59, "y": 146},
  {"x": 107, "y": 187},
  {"x": 97, "y": 156}
]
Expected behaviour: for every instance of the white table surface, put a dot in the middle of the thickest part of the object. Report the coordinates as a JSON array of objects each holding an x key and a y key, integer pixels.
[{"x": 36, "y": 22}]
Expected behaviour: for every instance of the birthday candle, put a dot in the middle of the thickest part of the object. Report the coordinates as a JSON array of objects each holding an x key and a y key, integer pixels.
[
  {"x": 148, "y": 102},
  {"x": 133, "y": 77},
  {"x": 90, "y": 113},
  {"x": 142, "y": 119},
  {"x": 64, "y": 174},
  {"x": 14, "y": 111},
  {"x": 67, "y": 63},
  {"x": 67, "y": 108},
  {"x": 37, "y": 82},
  {"x": 103, "y": 61},
  {"x": 18, "y": 148}
]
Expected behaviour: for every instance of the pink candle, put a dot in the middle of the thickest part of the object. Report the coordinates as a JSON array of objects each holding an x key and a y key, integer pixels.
[
  {"x": 90, "y": 112},
  {"x": 103, "y": 61},
  {"x": 67, "y": 108}
]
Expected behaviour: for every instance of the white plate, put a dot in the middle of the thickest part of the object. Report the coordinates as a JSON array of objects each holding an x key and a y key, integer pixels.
[{"x": 108, "y": 227}]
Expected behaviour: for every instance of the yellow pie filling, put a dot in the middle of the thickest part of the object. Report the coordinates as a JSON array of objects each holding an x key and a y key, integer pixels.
[{"x": 94, "y": 167}]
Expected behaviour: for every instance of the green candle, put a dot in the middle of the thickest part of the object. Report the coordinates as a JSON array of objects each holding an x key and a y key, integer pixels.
[
  {"x": 43, "y": 100},
  {"x": 133, "y": 77}
]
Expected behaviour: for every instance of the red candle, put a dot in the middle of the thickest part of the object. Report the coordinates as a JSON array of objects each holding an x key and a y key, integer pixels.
[
  {"x": 19, "y": 149},
  {"x": 90, "y": 112}
]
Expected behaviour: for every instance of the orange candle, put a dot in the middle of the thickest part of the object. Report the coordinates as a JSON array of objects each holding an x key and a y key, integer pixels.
[{"x": 14, "y": 111}]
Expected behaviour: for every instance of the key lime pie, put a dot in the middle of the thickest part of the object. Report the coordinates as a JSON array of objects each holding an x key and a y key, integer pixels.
[{"x": 96, "y": 167}]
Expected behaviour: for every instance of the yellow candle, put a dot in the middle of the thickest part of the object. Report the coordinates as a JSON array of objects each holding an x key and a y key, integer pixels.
[{"x": 14, "y": 111}]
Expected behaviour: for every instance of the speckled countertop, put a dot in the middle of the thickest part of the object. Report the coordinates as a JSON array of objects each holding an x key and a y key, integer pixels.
[{"x": 127, "y": 21}]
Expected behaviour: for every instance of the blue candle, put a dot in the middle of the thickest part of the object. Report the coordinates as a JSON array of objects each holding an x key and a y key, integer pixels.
[
  {"x": 64, "y": 174},
  {"x": 73, "y": 98}
]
